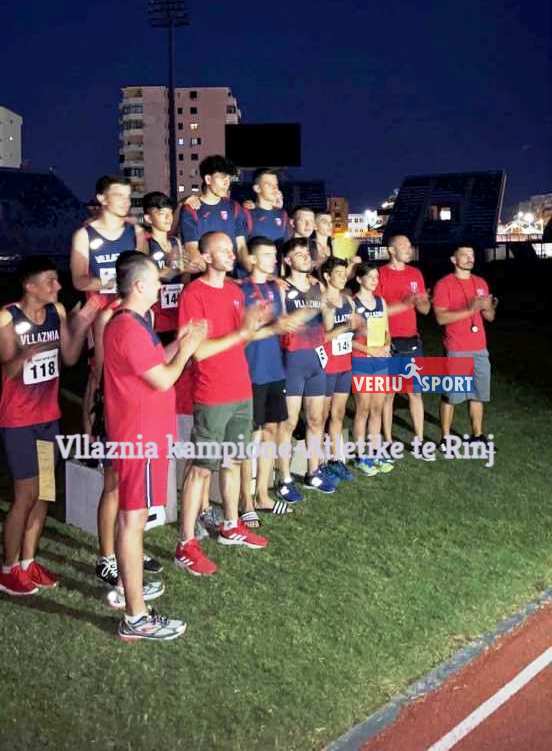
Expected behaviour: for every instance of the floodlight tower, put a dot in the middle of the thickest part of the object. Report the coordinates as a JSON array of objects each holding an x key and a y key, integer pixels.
[{"x": 170, "y": 14}]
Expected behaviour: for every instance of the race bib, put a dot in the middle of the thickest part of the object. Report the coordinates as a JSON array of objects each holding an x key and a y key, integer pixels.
[
  {"x": 342, "y": 344},
  {"x": 376, "y": 331},
  {"x": 322, "y": 356},
  {"x": 106, "y": 276},
  {"x": 41, "y": 367},
  {"x": 169, "y": 295}
]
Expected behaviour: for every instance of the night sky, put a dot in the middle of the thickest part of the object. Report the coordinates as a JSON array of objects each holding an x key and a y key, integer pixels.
[{"x": 382, "y": 89}]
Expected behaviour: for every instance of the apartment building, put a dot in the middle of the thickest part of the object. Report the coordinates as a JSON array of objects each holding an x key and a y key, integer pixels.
[{"x": 201, "y": 115}]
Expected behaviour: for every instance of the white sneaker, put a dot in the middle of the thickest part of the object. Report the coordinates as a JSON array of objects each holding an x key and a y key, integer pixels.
[{"x": 152, "y": 590}]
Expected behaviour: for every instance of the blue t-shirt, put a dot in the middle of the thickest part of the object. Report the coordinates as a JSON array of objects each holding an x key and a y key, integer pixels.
[
  {"x": 225, "y": 216},
  {"x": 271, "y": 223},
  {"x": 265, "y": 356}
]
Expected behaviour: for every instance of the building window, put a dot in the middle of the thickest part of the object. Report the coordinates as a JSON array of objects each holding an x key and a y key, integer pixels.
[
  {"x": 193, "y": 110},
  {"x": 440, "y": 213},
  {"x": 179, "y": 110},
  {"x": 194, "y": 126},
  {"x": 193, "y": 94},
  {"x": 195, "y": 141},
  {"x": 181, "y": 172},
  {"x": 181, "y": 189},
  {"x": 194, "y": 157},
  {"x": 230, "y": 109},
  {"x": 133, "y": 172},
  {"x": 195, "y": 188},
  {"x": 133, "y": 125},
  {"x": 136, "y": 203},
  {"x": 181, "y": 157},
  {"x": 193, "y": 173},
  {"x": 133, "y": 109},
  {"x": 181, "y": 142},
  {"x": 180, "y": 126}
]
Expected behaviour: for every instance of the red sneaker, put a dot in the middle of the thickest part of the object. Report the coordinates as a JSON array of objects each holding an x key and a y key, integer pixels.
[
  {"x": 192, "y": 559},
  {"x": 41, "y": 576},
  {"x": 241, "y": 535},
  {"x": 17, "y": 583}
]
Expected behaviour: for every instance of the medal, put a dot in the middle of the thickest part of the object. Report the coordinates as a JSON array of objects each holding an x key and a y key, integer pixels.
[{"x": 474, "y": 328}]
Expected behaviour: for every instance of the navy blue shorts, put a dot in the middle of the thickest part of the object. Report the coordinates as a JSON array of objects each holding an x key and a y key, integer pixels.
[
  {"x": 20, "y": 447},
  {"x": 304, "y": 373},
  {"x": 371, "y": 366},
  {"x": 338, "y": 383}
]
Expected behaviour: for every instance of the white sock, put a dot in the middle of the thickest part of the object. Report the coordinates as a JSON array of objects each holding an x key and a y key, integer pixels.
[
  {"x": 287, "y": 480},
  {"x": 26, "y": 563},
  {"x": 230, "y": 524}
]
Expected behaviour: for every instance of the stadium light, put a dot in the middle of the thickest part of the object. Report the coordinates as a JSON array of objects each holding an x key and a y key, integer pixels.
[{"x": 170, "y": 14}]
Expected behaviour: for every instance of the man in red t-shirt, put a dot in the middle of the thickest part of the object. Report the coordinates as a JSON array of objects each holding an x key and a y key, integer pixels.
[
  {"x": 403, "y": 289},
  {"x": 222, "y": 397},
  {"x": 462, "y": 302},
  {"x": 35, "y": 336},
  {"x": 140, "y": 410}
]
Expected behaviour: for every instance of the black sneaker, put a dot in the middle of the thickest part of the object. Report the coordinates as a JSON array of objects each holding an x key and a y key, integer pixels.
[
  {"x": 107, "y": 571},
  {"x": 151, "y": 566}
]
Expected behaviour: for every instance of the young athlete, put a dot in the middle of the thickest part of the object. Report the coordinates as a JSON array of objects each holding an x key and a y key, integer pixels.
[
  {"x": 305, "y": 359},
  {"x": 371, "y": 346},
  {"x": 35, "y": 336},
  {"x": 266, "y": 368},
  {"x": 265, "y": 219},
  {"x": 216, "y": 212},
  {"x": 337, "y": 312},
  {"x": 94, "y": 252}
]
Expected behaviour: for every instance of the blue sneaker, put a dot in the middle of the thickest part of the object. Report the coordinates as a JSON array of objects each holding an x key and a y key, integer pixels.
[
  {"x": 340, "y": 469},
  {"x": 328, "y": 474},
  {"x": 317, "y": 481},
  {"x": 289, "y": 492},
  {"x": 366, "y": 466}
]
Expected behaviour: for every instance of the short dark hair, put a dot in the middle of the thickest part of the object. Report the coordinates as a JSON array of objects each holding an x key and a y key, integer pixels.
[
  {"x": 105, "y": 182},
  {"x": 296, "y": 210},
  {"x": 263, "y": 171},
  {"x": 332, "y": 263},
  {"x": 216, "y": 163},
  {"x": 321, "y": 213},
  {"x": 33, "y": 265},
  {"x": 295, "y": 242},
  {"x": 364, "y": 268},
  {"x": 129, "y": 266},
  {"x": 156, "y": 200},
  {"x": 259, "y": 241}
]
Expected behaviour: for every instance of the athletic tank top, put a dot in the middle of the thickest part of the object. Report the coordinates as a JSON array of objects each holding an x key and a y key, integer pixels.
[
  {"x": 165, "y": 310},
  {"x": 311, "y": 334},
  {"x": 103, "y": 253},
  {"x": 377, "y": 312},
  {"x": 264, "y": 357},
  {"x": 31, "y": 396},
  {"x": 339, "y": 349}
]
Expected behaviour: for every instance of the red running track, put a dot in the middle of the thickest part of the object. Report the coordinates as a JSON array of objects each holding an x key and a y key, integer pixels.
[{"x": 522, "y": 723}]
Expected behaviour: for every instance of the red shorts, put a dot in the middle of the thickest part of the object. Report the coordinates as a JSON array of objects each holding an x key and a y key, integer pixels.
[{"x": 142, "y": 482}]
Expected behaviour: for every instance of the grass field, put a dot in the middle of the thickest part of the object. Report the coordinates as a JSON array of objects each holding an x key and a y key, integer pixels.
[{"x": 357, "y": 595}]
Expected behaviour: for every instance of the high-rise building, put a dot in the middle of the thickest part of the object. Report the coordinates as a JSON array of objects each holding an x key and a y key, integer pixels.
[
  {"x": 201, "y": 115},
  {"x": 10, "y": 138},
  {"x": 338, "y": 207}
]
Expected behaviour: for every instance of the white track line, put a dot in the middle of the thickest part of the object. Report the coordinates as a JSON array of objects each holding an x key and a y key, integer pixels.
[{"x": 486, "y": 709}]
